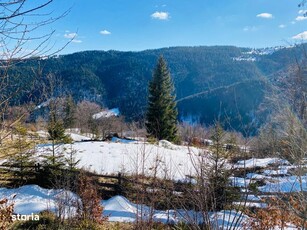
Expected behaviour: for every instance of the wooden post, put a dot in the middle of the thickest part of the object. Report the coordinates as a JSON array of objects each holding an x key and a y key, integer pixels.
[{"x": 119, "y": 184}]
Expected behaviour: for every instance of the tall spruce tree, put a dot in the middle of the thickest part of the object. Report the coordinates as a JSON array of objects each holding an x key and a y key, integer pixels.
[{"x": 161, "y": 117}]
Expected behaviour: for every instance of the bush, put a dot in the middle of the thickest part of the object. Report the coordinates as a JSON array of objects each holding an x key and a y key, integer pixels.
[
  {"x": 6, "y": 211},
  {"x": 47, "y": 221}
]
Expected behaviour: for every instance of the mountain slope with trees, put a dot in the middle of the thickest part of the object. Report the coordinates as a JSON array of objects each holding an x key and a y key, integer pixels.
[{"x": 223, "y": 83}]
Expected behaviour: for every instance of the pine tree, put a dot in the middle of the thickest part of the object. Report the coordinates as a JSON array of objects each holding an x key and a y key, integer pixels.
[
  {"x": 21, "y": 154},
  {"x": 69, "y": 112},
  {"x": 161, "y": 117},
  {"x": 57, "y": 135},
  {"x": 54, "y": 157}
]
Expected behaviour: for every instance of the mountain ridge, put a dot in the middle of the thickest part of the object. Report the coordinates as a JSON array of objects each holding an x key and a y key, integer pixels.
[{"x": 120, "y": 79}]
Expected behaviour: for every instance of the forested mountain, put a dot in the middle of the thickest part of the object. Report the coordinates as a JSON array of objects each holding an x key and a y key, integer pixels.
[{"x": 219, "y": 82}]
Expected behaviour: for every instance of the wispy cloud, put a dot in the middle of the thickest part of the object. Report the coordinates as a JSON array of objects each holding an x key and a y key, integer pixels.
[
  {"x": 72, "y": 36},
  {"x": 302, "y": 15},
  {"x": 302, "y": 11},
  {"x": 105, "y": 32},
  {"x": 300, "y": 18},
  {"x": 250, "y": 28},
  {"x": 158, "y": 6},
  {"x": 281, "y": 26},
  {"x": 76, "y": 41},
  {"x": 160, "y": 15},
  {"x": 265, "y": 15},
  {"x": 300, "y": 36}
]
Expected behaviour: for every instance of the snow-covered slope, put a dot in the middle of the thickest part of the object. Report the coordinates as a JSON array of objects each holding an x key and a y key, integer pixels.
[
  {"x": 171, "y": 160},
  {"x": 34, "y": 199},
  {"x": 175, "y": 162},
  {"x": 30, "y": 199}
]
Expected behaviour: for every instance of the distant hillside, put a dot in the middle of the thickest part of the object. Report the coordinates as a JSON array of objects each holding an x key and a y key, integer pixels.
[{"x": 218, "y": 82}]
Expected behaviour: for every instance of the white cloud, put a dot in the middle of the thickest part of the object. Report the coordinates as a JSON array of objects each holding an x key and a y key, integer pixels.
[
  {"x": 302, "y": 11},
  {"x": 76, "y": 41},
  {"x": 300, "y": 36},
  {"x": 282, "y": 26},
  {"x": 70, "y": 35},
  {"x": 105, "y": 32},
  {"x": 160, "y": 15},
  {"x": 300, "y": 18},
  {"x": 265, "y": 15}
]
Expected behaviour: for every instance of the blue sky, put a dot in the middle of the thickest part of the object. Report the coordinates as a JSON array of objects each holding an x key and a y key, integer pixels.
[{"x": 147, "y": 24}]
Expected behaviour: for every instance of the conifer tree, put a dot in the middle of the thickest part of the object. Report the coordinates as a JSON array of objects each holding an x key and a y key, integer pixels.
[
  {"x": 57, "y": 135},
  {"x": 21, "y": 154},
  {"x": 69, "y": 112},
  {"x": 161, "y": 117},
  {"x": 54, "y": 157}
]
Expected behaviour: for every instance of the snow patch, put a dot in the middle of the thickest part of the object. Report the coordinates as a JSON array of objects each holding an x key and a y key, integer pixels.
[
  {"x": 34, "y": 199},
  {"x": 255, "y": 162},
  {"x": 106, "y": 113},
  {"x": 168, "y": 145}
]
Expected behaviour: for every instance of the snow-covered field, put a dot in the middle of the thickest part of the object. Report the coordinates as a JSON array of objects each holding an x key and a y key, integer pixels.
[
  {"x": 176, "y": 162},
  {"x": 133, "y": 157},
  {"x": 172, "y": 161}
]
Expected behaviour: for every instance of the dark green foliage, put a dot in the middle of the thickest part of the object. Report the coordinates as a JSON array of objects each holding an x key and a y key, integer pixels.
[
  {"x": 120, "y": 79},
  {"x": 56, "y": 130},
  {"x": 220, "y": 191},
  {"x": 71, "y": 160},
  {"x": 21, "y": 155},
  {"x": 54, "y": 157},
  {"x": 161, "y": 117},
  {"x": 69, "y": 112}
]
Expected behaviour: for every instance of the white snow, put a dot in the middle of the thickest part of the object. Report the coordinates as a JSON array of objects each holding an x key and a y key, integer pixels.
[
  {"x": 106, "y": 113},
  {"x": 270, "y": 172},
  {"x": 34, "y": 199},
  {"x": 44, "y": 104},
  {"x": 255, "y": 162},
  {"x": 119, "y": 209},
  {"x": 172, "y": 162},
  {"x": 168, "y": 145},
  {"x": 42, "y": 133},
  {"x": 30, "y": 199},
  {"x": 286, "y": 184},
  {"x": 255, "y": 176},
  {"x": 133, "y": 157},
  {"x": 77, "y": 137}
]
